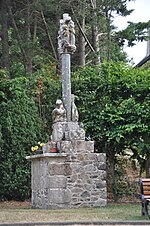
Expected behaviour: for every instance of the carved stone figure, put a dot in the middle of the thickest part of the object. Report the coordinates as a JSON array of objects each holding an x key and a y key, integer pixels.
[
  {"x": 82, "y": 132},
  {"x": 59, "y": 113},
  {"x": 66, "y": 35},
  {"x": 74, "y": 110},
  {"x": 58, "y": 134}
]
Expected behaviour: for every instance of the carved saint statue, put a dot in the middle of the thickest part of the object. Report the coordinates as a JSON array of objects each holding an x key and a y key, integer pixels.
[
  {"x": 59, "y": 119},
  {"x": 66, "y": 35},
  {"x": 59, "y": 113}
]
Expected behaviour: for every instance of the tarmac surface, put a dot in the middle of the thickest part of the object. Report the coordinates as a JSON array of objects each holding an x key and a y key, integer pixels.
[{"x": 98, "y": 223}]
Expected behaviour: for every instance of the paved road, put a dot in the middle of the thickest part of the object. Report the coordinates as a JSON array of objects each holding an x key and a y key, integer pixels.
[{"x": 100, "y": 223}]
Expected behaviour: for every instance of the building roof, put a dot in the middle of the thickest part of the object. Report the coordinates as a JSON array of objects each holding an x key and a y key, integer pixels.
[
  {"x": 143, "y": 61},
  {"x": 147, "y": 57}
]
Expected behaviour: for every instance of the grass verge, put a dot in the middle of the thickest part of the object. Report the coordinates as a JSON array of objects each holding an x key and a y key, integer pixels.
[{"x": 20, "y": 213}]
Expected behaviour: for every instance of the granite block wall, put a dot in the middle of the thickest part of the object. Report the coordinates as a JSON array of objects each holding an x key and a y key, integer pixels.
[{"x": 74, "y": 178}]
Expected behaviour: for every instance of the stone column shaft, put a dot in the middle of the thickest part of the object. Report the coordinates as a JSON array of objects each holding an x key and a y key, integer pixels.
[{"x": 66, "y": 84}]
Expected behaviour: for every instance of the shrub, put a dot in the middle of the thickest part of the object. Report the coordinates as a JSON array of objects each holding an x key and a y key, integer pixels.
[{"x": 21, "y": 126}]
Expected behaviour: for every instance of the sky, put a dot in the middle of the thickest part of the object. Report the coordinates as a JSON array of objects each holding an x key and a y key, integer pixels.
[{"x": 141, "y": 13}]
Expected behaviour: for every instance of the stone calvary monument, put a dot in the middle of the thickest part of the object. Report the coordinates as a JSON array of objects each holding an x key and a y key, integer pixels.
[{"x": 75, "y": 176}]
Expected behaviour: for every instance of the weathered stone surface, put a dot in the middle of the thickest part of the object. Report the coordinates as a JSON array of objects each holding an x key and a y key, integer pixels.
[
  {"x": 59, "y": 196},
  {"x": 68, "y": 169},
  {"x": 58, "y": 133},
  {"x": 76, "y": 191},
  {"x": 103, "y": 175},
  {"x": 85, "y": 194},
  {"x": 66, "y": 146},
  {"x": 50, "y": 157},
  {"x": 56, "y": 169},
  {"x": 66, "y": 35},
  {"x": 57, "y": 182},
  {"x": 66, "y": 84},
  {"x": 74, "y": 131},
  {"x": 90, "y": 168},
  {"x": 100, "y": 203},
  {"x": 59, "y": 169},
  {"x": 76, "y": 179},
  {"x": 103, "y": 193},
  {"x": 100, "y": 184},
  {"x": 72, "y": 179},
  {"x": 102, "y": 166},
  {"x": 76, "y": 167},
  {"x": 79, "y": 145},
  {"x": 101, "y": 157},
  {"x": 90, "y": 146}
]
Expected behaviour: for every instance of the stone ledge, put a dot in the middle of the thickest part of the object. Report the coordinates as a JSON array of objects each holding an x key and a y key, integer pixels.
[{"x": 49, "y": 155}]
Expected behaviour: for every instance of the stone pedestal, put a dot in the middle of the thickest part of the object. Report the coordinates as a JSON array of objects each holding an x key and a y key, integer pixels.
[{"x": 76, "y": 178}]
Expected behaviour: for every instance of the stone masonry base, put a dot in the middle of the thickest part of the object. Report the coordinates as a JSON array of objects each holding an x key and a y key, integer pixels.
[{"x": 74, "y": 178}]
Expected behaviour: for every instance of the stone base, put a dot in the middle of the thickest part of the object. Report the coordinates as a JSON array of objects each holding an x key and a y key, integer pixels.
[
  {"x": 68, "y": 131},
  {"x": 76, "y": 178}
]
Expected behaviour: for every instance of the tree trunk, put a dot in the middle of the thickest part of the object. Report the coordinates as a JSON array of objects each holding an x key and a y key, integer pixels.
[
  {"x": 4, "y": 35},
  {"x": 110, "y": 170},
  {"x": 108, "y": 36},
  {"x": 28, "y": 48},
  {"x": 95, "y": 35},
  {"x": 83, "y": 40},
  {"x": 9, "y": 8},
  {"x": 48, "y": 35},
  {"x": 82, "y": 44},
  {"x": 95, "y": 41}
]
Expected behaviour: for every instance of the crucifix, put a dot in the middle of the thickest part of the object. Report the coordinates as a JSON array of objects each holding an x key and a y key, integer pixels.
[{"x": 66, "y": 46}]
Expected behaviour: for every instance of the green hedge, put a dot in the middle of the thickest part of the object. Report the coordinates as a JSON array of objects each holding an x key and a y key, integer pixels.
[
  {"x": 26, "y": 105},
  {"x": 20, "y": 126}
]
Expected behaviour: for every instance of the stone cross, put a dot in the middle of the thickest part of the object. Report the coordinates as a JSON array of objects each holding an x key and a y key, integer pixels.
[{"x": 66, "y": 46}]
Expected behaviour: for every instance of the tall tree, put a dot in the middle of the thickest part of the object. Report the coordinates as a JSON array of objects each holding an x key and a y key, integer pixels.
[
  {"x": 4, "y": 34},
  {"x": 95, "y": 31},
  {"x": 33, "y": 28},
  {"x": 98, "y": 32}
]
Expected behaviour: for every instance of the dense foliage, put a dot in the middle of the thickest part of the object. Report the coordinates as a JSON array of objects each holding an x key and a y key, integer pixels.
[
  {"x": 112, "y": 98},
  {"x": 113, "y": 103},
  {"x": 114, "y": 106},
  {"x": 22, "y": 126}
]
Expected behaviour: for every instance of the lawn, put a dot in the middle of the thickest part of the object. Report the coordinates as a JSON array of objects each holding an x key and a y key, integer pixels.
[{"x": 20, "y": 212}]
